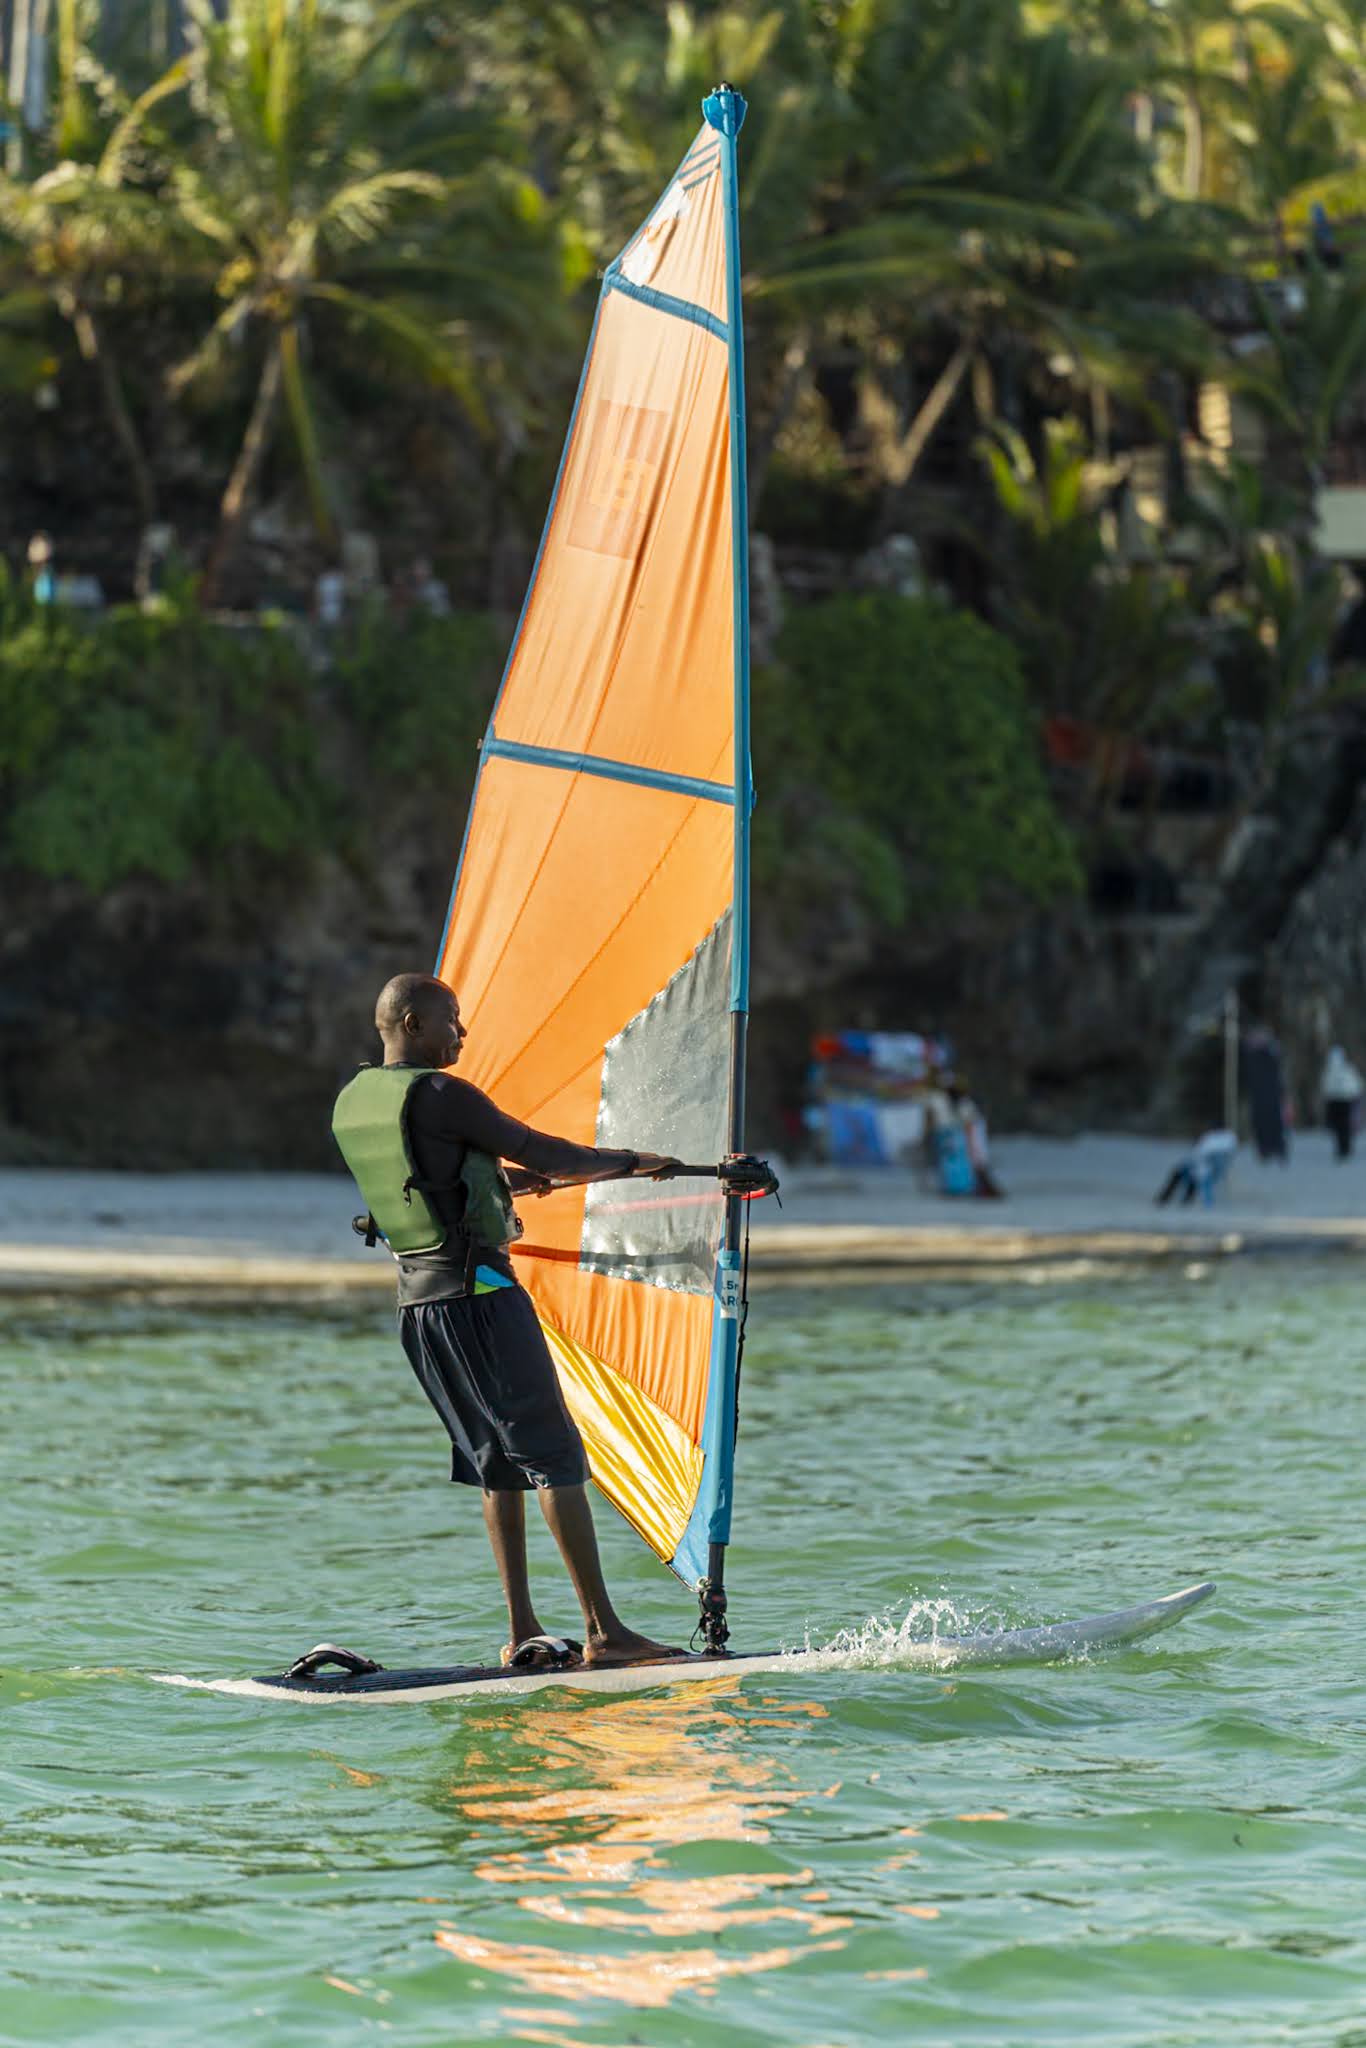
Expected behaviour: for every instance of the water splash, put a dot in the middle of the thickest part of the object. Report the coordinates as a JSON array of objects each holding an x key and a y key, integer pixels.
[{"x": 888, "y": 1641}]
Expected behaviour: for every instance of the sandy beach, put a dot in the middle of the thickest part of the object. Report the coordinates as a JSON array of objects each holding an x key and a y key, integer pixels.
[{"x": 1087, "y": 1198}]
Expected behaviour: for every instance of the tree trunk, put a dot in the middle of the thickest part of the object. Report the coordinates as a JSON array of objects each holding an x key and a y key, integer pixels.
[
  {"x": 246, "y": 472},
  {"x": 941, "y": 397},
  {"x": 1193, "y": 153},
  {"x": 95, "y": 353},
  {"x": 305, "y": 431}
]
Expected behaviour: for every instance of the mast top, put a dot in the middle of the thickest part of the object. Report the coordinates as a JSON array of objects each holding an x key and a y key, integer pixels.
[{"x": 725, "y": 109}]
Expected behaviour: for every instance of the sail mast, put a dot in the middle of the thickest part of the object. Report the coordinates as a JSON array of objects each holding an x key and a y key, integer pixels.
[{"x": 724, "y": 110}]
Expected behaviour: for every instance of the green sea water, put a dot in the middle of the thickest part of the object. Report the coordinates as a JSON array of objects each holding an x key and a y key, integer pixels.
[{"x": 1162, "y": 1847}]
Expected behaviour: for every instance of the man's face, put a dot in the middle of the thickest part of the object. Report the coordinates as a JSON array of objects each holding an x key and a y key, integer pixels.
[{"x": 436, "y": 1036}]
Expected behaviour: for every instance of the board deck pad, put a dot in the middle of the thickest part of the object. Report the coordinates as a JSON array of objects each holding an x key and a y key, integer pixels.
[{"x": 1045, "y": 1643}]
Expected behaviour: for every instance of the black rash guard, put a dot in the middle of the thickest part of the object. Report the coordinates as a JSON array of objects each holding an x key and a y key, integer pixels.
[{"x": 445, "y": 1116}]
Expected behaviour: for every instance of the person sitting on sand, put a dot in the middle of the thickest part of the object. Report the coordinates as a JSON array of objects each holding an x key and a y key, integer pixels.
[
  {"x": 468, "y": 1328},
  {"x": 1199, "y": 1171}
]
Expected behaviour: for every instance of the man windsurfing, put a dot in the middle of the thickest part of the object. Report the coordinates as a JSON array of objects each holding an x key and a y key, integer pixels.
[{"x": 425, "y": 1149}]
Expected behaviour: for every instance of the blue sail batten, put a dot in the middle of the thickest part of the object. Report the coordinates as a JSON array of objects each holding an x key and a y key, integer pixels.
[{"x": 663, "y": 302}]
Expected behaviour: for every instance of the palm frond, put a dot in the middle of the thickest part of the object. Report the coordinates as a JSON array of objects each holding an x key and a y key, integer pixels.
[
  {"x": 425, "y": 349},
  {"x": 361, "y": 211}
]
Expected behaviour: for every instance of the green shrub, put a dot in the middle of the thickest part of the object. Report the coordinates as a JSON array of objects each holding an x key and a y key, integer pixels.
[
  {"x": 119, "y": 801},
  {"x": 168, "y": 745},
  {"x": 897, "y": 758},
  {"x": 154, "y": 744},
  {"x": 419, "y": 692}
]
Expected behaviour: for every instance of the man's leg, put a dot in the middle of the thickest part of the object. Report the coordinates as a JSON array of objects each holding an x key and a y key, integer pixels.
[
  {"x": 607, "y": 1640},
  {"x": 505, "y": 1520}
]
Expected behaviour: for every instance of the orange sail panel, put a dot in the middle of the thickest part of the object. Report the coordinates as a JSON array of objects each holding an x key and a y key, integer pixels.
[{"x": 591, "y": 926}]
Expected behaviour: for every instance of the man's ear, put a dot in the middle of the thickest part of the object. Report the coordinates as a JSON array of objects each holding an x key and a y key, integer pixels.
[{"x": 412, "y": 1023}]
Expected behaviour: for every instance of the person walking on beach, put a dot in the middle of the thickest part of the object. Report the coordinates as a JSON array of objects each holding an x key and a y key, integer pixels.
[
  {"x": 1264, "y": 1080},
  {"x": 425, "y": 1149},
  {"x": 1341, "y": 1087}
]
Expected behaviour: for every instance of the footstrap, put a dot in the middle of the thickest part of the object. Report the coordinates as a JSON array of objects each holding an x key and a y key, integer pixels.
[
  {"x": 350, "y": 1661},
  {"x": 545, "y": 1653}
]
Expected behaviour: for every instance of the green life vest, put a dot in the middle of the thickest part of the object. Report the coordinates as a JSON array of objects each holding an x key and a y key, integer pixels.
[{"x": 370, "y": 1125}]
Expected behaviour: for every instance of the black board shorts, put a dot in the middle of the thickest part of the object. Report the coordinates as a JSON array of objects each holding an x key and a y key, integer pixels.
[{"x": 483, "y": 1364}]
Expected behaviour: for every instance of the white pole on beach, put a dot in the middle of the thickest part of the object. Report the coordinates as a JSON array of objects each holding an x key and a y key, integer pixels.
[{"x": 1231, "y": 1059}]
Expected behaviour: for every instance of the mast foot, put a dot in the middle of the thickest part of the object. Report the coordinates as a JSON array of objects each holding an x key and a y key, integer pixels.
[{"x": 712, "y": 1625}]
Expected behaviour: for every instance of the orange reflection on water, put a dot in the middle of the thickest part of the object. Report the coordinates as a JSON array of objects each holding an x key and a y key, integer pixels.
[
  {"x": 623, "y": 1785},
  {"x": 690, "y": 1905},
  {"x": 646, "y": 1776},
  {"x": 567, "y": 1863},
  {"x": 642, "y": 1978},
  {"x": 357, "y": 1777}
]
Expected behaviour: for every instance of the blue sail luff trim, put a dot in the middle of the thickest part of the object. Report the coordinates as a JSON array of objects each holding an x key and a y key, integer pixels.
[
  {"x": 664, "y": 302},
  {"x": 729, "y": 121},
  {"x": 611, "y": 771},
  {"x": 710, "y": 1521}
]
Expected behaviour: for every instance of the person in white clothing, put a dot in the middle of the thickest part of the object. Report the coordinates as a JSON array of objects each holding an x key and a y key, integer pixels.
[{"x": 1341, "y": 1087}]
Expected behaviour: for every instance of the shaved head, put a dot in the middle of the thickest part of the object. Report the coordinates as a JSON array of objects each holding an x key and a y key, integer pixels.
[
  {"x": 420, "y": 994},
  {"x": 418, "y": 1019}
]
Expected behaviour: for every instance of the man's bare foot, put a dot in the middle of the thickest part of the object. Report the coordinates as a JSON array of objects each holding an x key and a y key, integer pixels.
[{"x": 626, "y": 1647}]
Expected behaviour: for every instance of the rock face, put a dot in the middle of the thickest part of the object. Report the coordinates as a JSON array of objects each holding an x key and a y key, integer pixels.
[
  {"x": 1317, "y": 971},
  {"x": 153, "y": 1030},
  {"x": 1277, "y": 929},
  {"x": 156, "y": 1028}
]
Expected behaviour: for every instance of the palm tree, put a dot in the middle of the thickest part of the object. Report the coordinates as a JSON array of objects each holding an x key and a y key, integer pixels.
[
  {"x": 1020, "y": 220},
  {"x": 1112, "y": 642},
  {"x": 1310, "y": 370},
  {"x": 342, "y": 212},
  {"x": 82, "y": 226},
  {"x": 610, "y": 97}
]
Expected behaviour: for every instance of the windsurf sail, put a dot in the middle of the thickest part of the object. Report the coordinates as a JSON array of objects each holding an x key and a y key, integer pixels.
[{"x": 598, "y": 935}]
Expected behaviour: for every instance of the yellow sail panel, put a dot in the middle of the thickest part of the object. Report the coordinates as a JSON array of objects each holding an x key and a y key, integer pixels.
[
  {"x": 660, "y": 1331},
  {"x": 591, "y": 927},
  {"x": 645, "y": 1464}
]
